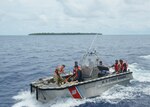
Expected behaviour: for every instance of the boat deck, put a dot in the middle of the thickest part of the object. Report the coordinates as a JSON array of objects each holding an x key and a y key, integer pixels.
[{"x": 49, "y": 83}]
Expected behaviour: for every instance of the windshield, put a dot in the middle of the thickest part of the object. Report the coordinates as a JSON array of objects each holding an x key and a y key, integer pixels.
[{"x": 88, "y": 62}]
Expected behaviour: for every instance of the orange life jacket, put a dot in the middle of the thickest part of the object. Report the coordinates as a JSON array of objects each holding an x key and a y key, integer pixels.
[
  {"x": 76, "y": 71},
  {"x": 116, "y": 68},
  {"x": 59, "y": 70}
]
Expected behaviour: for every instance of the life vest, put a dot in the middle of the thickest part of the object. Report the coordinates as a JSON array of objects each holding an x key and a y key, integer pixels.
[
  {"x": 116, "y": 68},
  {"x": 76, "y": 71},
  {"x": 59, "y": 70}
]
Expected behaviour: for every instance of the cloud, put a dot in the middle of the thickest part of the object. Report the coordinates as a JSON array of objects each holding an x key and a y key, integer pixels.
[
  {"x": 81, "y": 9},
  {"x": 106, "y": 16}
]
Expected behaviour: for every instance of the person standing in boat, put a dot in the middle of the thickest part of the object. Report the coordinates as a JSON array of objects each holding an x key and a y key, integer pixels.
[
  {"x": 76, "y": 65},
  {"x": 123, "y": 66},
  {"x": 77, "y": 74},
  {"x": 59, "y": 70},
  {"x": 74, "y": 76},
  {"x": 116, "y": 66}
]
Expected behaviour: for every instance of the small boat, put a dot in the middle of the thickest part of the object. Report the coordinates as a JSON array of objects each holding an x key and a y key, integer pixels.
[{"x": 92, "y": 85}]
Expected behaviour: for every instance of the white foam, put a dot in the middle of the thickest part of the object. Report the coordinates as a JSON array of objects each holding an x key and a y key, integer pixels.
[
  {"x": 68, "y": 102},
  {"x": 145, "y": 57},
  {"x": 146, "y": 90},
  {"x": 119, "y": 93},
  {"x": 116, "y": 94},
  {"x": 25, "y": 99},
  {"x": 139, "y": 74}
]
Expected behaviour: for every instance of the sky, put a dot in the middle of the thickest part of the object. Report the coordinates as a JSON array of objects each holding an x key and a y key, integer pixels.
[{"x": 21, "y": 17}]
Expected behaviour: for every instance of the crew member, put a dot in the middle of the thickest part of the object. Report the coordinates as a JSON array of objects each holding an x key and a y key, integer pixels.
[
  {"x": 123, "y": 66},
  {"x": 104, "y": 70},
  {"x": 116, "y": 66},
  {"x": 77, "y": 74},
  {"x": 59, "y": 70},
  {"x": 76, "y": 65}
]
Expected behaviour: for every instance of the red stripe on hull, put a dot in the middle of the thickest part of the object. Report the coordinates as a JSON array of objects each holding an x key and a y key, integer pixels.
[{"x": 74, "y": 92}]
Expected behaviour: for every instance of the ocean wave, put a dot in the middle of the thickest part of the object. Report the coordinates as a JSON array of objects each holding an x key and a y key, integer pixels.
[
  {"x": 139, "y": 74},
  {"x": 145, "y": 57},
  {"x": 26, "y": 99}
]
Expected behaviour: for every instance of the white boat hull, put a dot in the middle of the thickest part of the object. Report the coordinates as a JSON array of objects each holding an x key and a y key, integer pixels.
[{"x": 86, "y": 89}]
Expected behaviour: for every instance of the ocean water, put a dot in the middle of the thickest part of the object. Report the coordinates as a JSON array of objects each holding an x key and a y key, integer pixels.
[{"x": 24, "y": 59}]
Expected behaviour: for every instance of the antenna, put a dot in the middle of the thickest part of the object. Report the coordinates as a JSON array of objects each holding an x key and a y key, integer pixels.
[
  {"x": 92, "y": 42},
  {"x": 88, "y": 50}
]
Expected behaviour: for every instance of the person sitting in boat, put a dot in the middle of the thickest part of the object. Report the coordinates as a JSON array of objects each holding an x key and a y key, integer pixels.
[
  {"x": 123, "y": 66},
  {"x": 59, "y": 70},
  {"x": 116, "y": 66},
  {"x": 103, "y": 69}
]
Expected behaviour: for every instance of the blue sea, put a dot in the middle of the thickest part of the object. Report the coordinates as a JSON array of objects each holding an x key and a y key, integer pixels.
[{"x": 24, "y": 59}]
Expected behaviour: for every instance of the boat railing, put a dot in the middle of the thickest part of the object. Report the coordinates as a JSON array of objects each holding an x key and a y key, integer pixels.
[{"x": 85, "y": 82}]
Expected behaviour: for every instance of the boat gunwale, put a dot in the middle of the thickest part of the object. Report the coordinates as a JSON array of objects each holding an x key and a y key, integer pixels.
[{"x": 81, "y": 83}]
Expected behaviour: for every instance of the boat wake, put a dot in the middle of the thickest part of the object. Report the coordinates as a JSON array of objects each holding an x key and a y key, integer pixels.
[
  {"x": 25, "y": 99},
  {"x": 139, "y": 73},
  {"x": 145, "y": 57},
  {"x": 138, "y": 87}
]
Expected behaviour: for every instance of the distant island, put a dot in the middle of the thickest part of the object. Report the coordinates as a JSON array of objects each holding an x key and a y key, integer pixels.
[{"x": 65, "y": 34}]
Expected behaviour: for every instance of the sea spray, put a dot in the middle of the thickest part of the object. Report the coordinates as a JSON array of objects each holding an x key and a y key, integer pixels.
[{"x": 146, "y": 57}]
